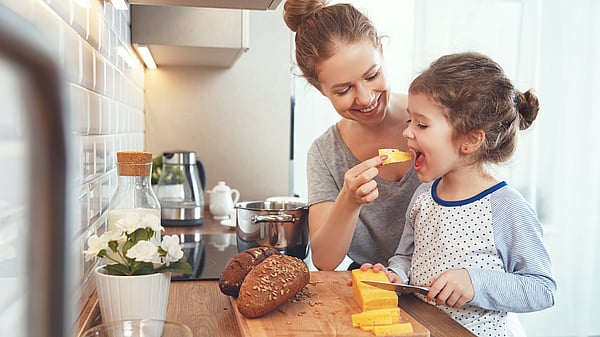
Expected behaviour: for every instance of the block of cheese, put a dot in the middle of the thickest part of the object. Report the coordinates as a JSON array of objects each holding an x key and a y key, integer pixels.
[
  {"x": 394, "y": 156},
  {"x": 376, "y": 317},
  {"x": 392, "y": 329},
  {"x": 369, "y": 297}
]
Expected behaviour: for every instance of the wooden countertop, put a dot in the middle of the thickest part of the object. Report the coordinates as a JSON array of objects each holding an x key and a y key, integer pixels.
[{"x": 208, "y": 312}]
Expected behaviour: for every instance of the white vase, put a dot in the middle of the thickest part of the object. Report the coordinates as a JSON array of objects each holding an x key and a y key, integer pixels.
[{"x": 132, "y": 297}]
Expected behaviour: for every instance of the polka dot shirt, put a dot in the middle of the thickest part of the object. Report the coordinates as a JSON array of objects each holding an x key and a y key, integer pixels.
[
  {"x": 454, "y": 237},
  {"x": 495, "y": 236}
]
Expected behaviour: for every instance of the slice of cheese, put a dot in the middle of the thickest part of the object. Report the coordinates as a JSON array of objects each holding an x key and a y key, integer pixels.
[
  {"x": 394, "y": 156},
  {"x": 369, "y": 297},
  {"x": 376, "y": 317}
]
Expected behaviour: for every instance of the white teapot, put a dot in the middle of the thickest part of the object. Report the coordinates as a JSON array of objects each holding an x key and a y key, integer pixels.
[{"x": 222, "y": 200}]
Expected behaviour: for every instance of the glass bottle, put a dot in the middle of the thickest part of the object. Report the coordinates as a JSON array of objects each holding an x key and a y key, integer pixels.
[{"x": 134, "y": 197}]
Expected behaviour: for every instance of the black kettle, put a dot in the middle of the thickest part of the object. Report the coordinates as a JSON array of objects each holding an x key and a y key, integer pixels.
[{"x": 180, "y": 189}]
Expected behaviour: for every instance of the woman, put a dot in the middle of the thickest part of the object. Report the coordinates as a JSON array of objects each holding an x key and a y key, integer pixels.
[{"x": 357, "y": 206}]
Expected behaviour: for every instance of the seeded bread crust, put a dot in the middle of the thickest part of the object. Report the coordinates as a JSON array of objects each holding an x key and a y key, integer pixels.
[
  {"x": 270, "y": 284},
  {"x": 239, "y": 266}
]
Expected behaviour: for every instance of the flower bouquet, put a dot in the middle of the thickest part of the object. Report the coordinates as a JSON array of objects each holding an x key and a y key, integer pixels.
[{"x": 132, "y": 248}]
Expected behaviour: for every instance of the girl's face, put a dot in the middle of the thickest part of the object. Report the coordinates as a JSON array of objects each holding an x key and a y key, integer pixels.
[
  {"x": 354, "y": 82},
  {"x": 430, "y": 138}
]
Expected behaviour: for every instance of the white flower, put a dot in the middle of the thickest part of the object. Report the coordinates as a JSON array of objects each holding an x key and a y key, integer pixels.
[
  {"x": 114, "y": 236},
  {"x": 144, "y": 251},
  {"x": 170, "y": 244},
  {"x": 152, "y": 221},
  {"x": 95, "y": 245},
  {"x": 134, "y": 221},
  {"x": 129, "y": 223},
  {"x": 132, "y": 246}
]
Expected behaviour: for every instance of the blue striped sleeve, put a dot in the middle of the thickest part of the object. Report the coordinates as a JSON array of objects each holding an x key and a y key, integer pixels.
[{"x": 527, "y": 284}]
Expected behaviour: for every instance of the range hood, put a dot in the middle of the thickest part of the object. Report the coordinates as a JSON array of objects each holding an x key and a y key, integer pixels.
[
  {"x": 211, "y": 33},
  {"x": 233, "y": 4},
  {"x": 186, "y": 36}
]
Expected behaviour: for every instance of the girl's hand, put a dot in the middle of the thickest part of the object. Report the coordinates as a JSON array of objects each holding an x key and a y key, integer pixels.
[
  {"x": 359, "y": 183},
  {"x": 452, "y": 288}
]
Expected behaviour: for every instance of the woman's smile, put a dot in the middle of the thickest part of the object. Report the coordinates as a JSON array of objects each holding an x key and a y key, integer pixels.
[{"x": 371, "y": 109}]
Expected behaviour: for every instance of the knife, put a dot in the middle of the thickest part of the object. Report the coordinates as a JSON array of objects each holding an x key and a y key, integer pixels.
[{"x": 401, "y": 288}]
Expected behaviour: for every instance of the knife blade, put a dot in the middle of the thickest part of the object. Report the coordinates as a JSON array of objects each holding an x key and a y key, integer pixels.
[{"x": 401, "y": 288}]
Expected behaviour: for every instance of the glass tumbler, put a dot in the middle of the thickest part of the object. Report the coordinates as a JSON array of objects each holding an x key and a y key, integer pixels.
[{"x": 139, "y": 328}]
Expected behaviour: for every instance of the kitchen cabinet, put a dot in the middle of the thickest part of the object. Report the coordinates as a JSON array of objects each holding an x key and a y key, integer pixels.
[
  {"x": 239, "y": 4},
  {"x": 186, "y": 36}
]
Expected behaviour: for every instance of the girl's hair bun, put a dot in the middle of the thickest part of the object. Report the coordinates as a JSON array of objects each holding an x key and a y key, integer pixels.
[{"x": 528, "y": 106}]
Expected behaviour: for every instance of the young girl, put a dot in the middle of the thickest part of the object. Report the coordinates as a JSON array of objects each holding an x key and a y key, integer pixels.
[{"x": 471, "y": 238}]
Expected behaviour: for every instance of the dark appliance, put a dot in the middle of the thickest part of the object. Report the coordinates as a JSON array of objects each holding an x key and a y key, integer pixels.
[{"x": 208, "y": 254}]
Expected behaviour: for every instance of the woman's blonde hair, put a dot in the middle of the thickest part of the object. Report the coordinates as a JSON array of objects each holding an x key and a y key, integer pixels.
[{"x": 320, "y": 29}]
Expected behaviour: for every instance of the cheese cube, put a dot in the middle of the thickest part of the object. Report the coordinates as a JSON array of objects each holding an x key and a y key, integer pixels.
[
  {"x": 376, "y": 317},
  {"x": 369, "y": 297},
  {"x": 393, "y": 329}
]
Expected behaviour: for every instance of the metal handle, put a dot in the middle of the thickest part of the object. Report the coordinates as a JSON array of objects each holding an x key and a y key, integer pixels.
[{"x": 273, "y": 218}]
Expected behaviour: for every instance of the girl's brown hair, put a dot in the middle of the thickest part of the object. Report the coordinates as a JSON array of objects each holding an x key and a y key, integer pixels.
[
  {"x": 476, "y": 95},
  {"x": 320, "y": 29}
]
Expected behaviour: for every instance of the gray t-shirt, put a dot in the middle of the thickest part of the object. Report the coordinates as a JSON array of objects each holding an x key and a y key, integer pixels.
[{"x": 380, "y": 223}]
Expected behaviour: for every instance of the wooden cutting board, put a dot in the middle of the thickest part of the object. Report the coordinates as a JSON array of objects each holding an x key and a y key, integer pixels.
[{"x": 322, "y": 309}]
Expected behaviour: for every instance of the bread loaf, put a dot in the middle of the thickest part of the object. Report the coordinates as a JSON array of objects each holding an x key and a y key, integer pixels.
[
  {"x": 270, "y": 284},
  {"x": 239, "y": 266}
]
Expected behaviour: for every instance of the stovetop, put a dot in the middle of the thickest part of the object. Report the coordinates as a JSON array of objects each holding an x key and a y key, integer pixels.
[{"x": 208, "y": 254}]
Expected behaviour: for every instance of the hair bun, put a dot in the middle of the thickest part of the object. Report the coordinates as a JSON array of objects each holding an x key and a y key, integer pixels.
[
  {"x": 296, "y": 11},
  {"x": 528, "y": 107}
]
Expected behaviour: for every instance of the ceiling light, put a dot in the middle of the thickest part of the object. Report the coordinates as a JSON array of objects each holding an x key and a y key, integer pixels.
[{"x": 146, "y": 56}]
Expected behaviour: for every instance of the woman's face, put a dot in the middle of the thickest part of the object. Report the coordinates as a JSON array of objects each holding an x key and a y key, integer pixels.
[{"x": 354, "y": 81}]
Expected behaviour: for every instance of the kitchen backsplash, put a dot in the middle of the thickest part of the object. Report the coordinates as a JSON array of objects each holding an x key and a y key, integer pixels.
[{"x": 104, "y": 92}]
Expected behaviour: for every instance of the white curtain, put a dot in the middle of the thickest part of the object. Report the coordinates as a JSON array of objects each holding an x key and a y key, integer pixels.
[
  {"x": 552, "y": 46},
  {"x": 564, "y": 162}
]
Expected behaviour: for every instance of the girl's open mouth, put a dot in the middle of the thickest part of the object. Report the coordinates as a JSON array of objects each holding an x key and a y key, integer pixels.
[{"x": 419, "y": 159}]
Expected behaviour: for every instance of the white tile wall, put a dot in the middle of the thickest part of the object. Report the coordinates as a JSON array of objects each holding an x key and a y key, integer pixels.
[{"x": 104, "y": 98}]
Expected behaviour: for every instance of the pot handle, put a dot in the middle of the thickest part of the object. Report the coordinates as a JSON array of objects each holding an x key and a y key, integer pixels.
[{"x": 273, "y": 218}]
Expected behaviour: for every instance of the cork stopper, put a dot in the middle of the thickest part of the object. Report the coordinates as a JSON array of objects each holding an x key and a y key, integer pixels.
[{"x": 132, "y": 163}]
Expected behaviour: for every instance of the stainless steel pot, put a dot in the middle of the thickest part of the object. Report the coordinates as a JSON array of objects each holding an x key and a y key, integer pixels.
[{"x": 279, "y": 224}]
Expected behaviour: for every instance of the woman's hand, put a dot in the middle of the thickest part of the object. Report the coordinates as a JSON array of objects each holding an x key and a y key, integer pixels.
[
  {"x": 452, "y": 288},
  {"x": 359, "y": 183}
]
